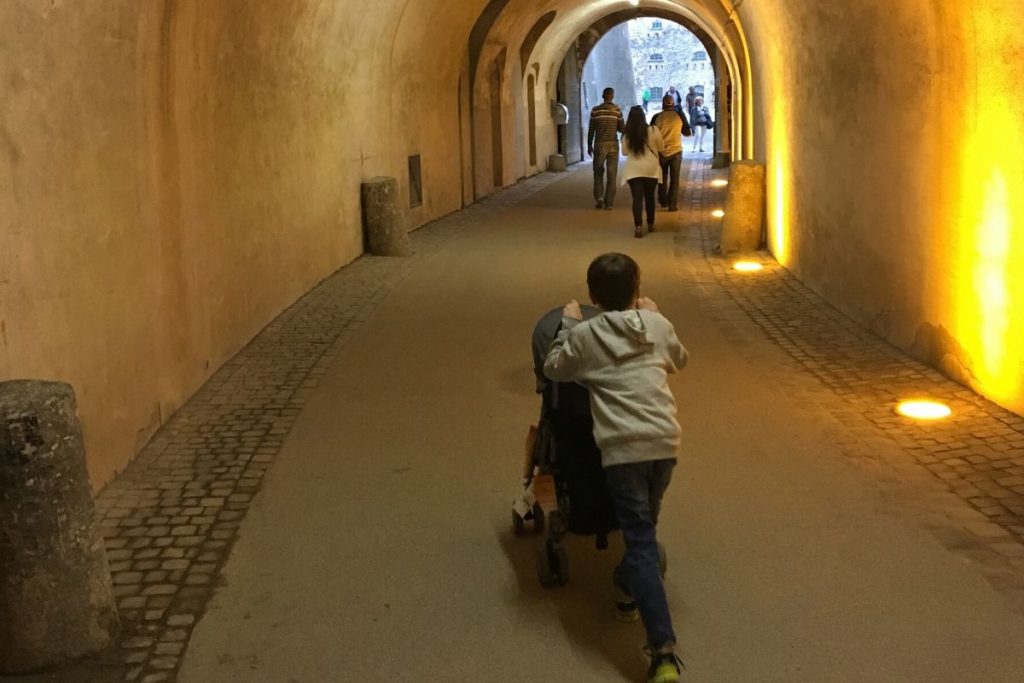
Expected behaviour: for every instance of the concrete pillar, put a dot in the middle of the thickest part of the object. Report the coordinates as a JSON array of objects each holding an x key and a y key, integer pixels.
[
  {"x": 744, "y": 208},
  {"x": 384, "y": 223},
  {"x": 56, "y": 603}
]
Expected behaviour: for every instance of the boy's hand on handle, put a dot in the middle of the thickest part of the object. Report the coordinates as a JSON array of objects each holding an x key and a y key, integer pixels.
[
  {"x": 572, "y": 310},
  {"x": 646, "y": 304}
]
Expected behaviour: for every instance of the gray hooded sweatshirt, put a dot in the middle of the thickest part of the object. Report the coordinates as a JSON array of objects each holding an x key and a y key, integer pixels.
[{"x": 624, "y": 358}]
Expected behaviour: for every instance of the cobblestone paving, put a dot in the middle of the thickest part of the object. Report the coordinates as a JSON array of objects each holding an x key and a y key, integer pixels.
[
  {"x": 171, "y": 517},
  {"x": 972, "y": 462}
]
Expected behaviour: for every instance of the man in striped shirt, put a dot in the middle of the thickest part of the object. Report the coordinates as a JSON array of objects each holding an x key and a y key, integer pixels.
[{"x": 603, "y": 144}]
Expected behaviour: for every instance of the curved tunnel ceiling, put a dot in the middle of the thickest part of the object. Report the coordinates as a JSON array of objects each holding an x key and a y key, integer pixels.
[
  {"x": 591, "y": 36},
  {"x": 705, "y": 18}
]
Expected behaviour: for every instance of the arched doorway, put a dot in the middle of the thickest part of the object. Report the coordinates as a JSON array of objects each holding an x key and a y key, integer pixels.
[
  {"x": 531, "y": 117},
  {"x": 497, "y": 158}
]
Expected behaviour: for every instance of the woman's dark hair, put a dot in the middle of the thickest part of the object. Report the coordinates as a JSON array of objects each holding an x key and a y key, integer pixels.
[
  {"x": 636, "y": 130},
  {"x": 613, "y": 280}
]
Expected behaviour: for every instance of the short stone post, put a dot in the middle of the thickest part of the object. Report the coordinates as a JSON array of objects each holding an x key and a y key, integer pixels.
[
  {"x": 744, "y": 207},
  {"x": 556, "y": 163},
  {"x": 56, "y": 602},
  {"x": 385, "y": 224}
]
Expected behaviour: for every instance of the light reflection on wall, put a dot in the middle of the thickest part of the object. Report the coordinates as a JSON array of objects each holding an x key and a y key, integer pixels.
[
  {"x": 779, "y": 179},
  {"x": 989, "y": 295},
  {"x": 989, "y": 305}
]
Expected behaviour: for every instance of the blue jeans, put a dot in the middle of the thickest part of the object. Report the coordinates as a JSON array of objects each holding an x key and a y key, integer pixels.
[
  {"x": 636, "y": 490},
  {"x": 606, "y": 163}
]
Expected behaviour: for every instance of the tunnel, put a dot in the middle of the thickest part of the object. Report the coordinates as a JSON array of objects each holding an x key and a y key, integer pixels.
[
  {"x": 200, "y": 164},
  {"x": 177, "y": 175}
]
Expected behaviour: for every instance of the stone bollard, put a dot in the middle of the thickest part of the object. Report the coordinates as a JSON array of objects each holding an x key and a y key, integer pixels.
[
  {"x": 56, "y": 602},
  {"x": 383, "y": 221},
  {"x": 556, "y": 163},
  {"x": 744, "y": 208}
]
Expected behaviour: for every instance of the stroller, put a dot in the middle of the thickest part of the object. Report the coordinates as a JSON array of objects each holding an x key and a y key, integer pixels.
[{"x": 563, "y": 480}]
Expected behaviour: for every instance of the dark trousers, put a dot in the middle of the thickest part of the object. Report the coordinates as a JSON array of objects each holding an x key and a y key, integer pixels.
[
  {"x": 643, "y": 190},
  {"x": 636, "y": 490},
  {"x": 668, "y": 190}
]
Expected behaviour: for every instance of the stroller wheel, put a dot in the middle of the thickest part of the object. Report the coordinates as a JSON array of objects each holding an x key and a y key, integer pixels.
[
  {"x": 662, "y": 560},
  {"x": 538, "y": 519},
  {"x": 545, "y": 572},
  {"x": 518, "y": 524},
  {"x": 552, "y": 565},
  {"x": 562, "y": 558}
]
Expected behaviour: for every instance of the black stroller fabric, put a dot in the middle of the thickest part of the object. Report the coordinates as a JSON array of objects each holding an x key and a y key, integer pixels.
[{"x": 567, "y": 440}]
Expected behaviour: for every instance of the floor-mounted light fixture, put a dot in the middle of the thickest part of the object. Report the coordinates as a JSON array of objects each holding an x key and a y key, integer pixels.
[
  {"x": 747, "y": 266},
  {"x": 923, "y": 409}
]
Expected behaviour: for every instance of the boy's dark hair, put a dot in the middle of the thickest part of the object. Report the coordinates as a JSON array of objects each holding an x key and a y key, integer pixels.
[{"x": 614, "y": 280}]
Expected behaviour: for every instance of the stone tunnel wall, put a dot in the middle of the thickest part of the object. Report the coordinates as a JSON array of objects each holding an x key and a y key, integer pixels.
[
  {"x": 173, "y": 174},
  {"x": 894, "y": 136}
]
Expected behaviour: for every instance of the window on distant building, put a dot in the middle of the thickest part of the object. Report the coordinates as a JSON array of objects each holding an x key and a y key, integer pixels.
[
  {"x": 700, "y": 55},
  {"x": 656, "y": 26},
  {"x": 656, "y": 57}
]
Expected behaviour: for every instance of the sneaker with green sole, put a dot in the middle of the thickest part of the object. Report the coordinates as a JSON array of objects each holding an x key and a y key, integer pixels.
[{"x": 665, "y": 668}]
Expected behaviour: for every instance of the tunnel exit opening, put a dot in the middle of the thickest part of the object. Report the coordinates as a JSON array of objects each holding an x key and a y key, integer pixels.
[
  {"x": 529, "y": 97},
  {"x": 644, "y": 55},
  {"x": 644, "y": 59}
]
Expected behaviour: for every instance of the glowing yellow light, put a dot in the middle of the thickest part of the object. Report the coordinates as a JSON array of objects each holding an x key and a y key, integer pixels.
[
  {"x": 985, "y": 282},
  {"x": 718, "y": 213},
  {"x": 719, "y": 183},
  {"x": 747, "y": 266},
  {"x": 921, "y": 409},
  {"x": 779, "y": 175}
]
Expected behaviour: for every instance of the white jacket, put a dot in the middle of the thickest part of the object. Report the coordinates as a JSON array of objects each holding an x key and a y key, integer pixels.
[
  {"x": 624, "y": 358},
  {"x": 646, "y": 164}
]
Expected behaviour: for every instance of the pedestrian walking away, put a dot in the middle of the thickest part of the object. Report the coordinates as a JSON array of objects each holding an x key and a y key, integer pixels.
[
  {"x": 673, "y": 127},
  {"x": 603, "y": 145},
  {"x": 643, "y": 146},
  {"x": 624, "y": 355}
]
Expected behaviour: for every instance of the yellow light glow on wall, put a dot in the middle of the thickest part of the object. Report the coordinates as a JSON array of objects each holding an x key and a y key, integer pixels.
[
  {"x": 718, "y": 213},
  {"x": 779, "y": 178},
  {"x": 988, "y": 263},
  {"x": 719, "y": 183}
]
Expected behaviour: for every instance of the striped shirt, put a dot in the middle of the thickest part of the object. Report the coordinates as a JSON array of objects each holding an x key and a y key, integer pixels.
[{"x": 605, "y": 124}]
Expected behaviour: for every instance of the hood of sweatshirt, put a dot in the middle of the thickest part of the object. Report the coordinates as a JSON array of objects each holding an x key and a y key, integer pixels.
[{"x": 622, "y": 334}]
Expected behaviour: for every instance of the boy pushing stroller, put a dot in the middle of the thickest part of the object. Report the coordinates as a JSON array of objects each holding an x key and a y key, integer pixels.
[{"x": 624, "y": 356}]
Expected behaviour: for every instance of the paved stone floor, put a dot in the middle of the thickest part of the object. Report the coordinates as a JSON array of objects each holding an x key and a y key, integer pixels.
[{"x": 172, "y": 518}]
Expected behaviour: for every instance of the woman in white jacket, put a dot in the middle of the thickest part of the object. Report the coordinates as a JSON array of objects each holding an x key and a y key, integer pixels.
[{"x": 643, "y": 146}]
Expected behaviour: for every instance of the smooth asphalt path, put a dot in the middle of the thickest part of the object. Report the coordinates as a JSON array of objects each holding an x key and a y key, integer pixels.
[{"x": 380, "y": 547}]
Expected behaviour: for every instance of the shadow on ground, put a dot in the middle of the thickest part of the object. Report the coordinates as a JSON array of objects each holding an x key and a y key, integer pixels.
[{"x": 583, "y": 607}]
